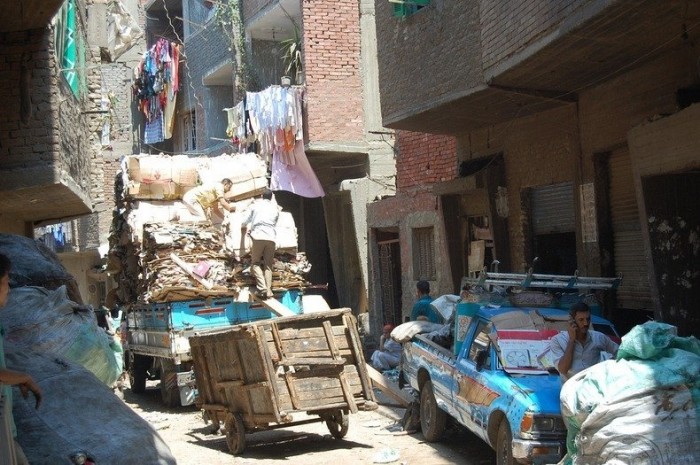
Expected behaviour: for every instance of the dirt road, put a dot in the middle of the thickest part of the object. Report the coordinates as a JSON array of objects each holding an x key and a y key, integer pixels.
[{"x": 373, "y": 437}]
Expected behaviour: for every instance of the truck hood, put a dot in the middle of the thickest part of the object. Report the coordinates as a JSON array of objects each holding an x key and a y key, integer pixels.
[{"x": 542, "y": 390}]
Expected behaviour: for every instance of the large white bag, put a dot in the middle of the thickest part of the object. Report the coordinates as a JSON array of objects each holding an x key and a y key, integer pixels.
[{"x": 637, "y": 410}]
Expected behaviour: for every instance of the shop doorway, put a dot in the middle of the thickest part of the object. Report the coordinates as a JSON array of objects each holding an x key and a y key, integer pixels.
[{"x": 390, "y": 276}]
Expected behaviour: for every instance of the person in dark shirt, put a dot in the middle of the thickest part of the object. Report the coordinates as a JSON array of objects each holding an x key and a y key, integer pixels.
[{"x": 422, "y": 310}]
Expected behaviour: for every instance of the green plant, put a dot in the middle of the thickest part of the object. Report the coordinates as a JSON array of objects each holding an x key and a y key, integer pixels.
[
  {"x": 291, "y": 54},
  {"x": 228, "y": 17}
]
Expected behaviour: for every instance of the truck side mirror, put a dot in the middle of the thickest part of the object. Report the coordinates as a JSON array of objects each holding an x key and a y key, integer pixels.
[{"x": 481, "y": 357}]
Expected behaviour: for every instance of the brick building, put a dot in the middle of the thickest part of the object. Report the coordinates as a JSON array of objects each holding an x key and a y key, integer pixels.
[
  {"x": 574, "y": 125},
  {"x": 50, "y": 152},
  {"x": 347, "y": 147}
]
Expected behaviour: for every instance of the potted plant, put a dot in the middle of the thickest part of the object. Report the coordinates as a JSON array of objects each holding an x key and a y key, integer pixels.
[{"x": 291, "y": 57}]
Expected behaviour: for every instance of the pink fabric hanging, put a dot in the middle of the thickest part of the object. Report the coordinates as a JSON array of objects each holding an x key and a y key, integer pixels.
[{"x": 298, "y": 178}]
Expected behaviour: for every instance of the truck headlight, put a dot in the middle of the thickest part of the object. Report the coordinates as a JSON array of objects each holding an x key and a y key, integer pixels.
[{"x": 533, "y": 423}]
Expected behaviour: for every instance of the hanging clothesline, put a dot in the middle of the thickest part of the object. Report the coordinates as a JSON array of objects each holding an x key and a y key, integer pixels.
[
  {"x": 156, "y": 83},
  {"x": 272, "y": 119}
]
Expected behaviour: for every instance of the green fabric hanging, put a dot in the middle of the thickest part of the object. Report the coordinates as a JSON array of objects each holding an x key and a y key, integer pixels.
[{"x": 70, "y": 51}]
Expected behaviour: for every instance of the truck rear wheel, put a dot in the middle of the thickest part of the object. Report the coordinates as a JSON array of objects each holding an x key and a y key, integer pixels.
[
  {"x": 138, "y": 372},
  {"x": 432, "y": 417},
  {"x": 169, "y": 391}
]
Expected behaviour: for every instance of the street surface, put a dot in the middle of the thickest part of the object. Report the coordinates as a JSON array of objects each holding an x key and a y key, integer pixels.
[{"x": 373, "y": 436}]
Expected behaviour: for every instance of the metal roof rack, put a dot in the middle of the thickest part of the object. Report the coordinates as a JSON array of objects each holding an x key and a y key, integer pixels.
[{"x": 535, "y": 280}]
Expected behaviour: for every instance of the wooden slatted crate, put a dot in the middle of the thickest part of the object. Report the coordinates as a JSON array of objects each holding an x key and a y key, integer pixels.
[{"x": 260, "y": 375}]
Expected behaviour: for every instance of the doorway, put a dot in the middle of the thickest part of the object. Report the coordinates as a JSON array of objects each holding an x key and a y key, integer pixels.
[{"x": 390, "y": 276}]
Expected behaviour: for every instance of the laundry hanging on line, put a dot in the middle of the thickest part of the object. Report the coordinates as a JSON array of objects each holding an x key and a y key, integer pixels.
[
  {"x": 272, "y": 120},
  {"x": 156, "y": 84}
]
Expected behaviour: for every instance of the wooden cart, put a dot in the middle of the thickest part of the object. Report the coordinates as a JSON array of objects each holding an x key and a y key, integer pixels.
[{"x": 281, "y": 372}]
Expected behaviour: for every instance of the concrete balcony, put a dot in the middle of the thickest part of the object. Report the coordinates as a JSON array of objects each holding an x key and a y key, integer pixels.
[
  {"x": 28, "y": 14},
  {"x": 456, "y": 66}
]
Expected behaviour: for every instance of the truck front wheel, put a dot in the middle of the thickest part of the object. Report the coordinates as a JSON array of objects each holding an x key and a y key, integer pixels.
[
  {"x": 432, "y": 417},
  {"x": 504, "y": 445},
  {"x": 138, "y": 372}
]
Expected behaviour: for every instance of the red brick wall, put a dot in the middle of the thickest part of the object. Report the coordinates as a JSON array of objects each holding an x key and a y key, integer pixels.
[
  {"x": 331, "y": 50},
  {"x": 424, "y": 159}
]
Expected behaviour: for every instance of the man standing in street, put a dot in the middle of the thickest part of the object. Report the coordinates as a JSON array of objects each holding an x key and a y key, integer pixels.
[
  {"x": 10, "y": 452},
  {"x": 579, "y": 347},
  {"x": 201, "y": 199},
  {"x": 422, "y": 310},
  {"x": 261, "y": 218}
]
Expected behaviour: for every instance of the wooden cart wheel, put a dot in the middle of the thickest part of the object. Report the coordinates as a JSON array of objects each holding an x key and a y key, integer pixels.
[
  {"x": 235, "y": 433},
  {"x": 338, "y": 424}
]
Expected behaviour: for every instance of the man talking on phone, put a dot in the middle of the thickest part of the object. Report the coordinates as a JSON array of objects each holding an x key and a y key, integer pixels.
[{"x": 579, "y": 347}]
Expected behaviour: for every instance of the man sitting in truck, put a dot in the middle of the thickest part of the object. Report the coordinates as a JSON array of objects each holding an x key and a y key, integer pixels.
[
  {"x": 422, "y": 310},
  {"x": 579, "y": 347}
]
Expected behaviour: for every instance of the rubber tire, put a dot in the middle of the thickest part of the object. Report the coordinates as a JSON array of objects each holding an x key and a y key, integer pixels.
[
  {"x": 504, "y": 445},
  {"x": 138, "y": 372},
  {"x": 432, "y": 418},
  {"x": 235, "y": 433},
  {"x": 169, "y": 391},
  {"x": 338, "y": 424}
]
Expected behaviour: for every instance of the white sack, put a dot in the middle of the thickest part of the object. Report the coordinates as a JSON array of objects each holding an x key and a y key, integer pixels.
[
  {"x": 637, "y": 410},
  {"x": 446, "y": 305},
  {"x": 47, "y": 322},
  {"x": 405, "y": 331}
]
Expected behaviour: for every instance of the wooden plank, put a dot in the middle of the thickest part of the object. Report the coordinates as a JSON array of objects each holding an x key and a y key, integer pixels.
[
  {"x": 389, "y": 388},
  {"x": 214, "y": 407},
  {"x": 228, "y": 383},
  {"x": 190, "y": 271},
  {"x": 278, "y": 342},
  {"x": 349, "y": 398},
  {"x": 275, "y": 306},
  {"x": 330, "y": 340},
  {"x": 311, "y": 361},
  {"x": 311, "y": 344},
  {"x": 292, "y": 390},
  {"x": 354, "y": 337},
  {"x": 269, "y": 372}
]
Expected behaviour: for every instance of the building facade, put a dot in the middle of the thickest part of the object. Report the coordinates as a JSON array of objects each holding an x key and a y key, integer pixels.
[
  {"x": 50, "y": 152},
  {"x": 329, "y": 49},
  {"x": 573, "y": 130}
]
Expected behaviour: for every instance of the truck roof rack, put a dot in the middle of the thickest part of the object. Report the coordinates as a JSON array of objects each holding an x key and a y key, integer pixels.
[{"x": 534, "y": 280}]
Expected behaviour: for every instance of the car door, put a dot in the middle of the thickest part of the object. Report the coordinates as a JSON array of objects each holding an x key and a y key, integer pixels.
[{"x": 472, "y": 396}]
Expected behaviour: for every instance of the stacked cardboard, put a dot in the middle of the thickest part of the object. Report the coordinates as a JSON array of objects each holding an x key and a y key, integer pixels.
[
  {"x": 160, "y": 252},
  {"x": 165, "y": 177}
]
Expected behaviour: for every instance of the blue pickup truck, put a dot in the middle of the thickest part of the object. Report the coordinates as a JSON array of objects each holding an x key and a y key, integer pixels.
[{"x": 498, "y": 383}]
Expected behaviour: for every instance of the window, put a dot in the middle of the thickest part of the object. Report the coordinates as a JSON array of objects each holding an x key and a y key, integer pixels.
[
  {"x": 403, "y": 8},
  {"x": 481, "y": 342},
  {"x": 189, "y": 131},
  {"x": 423, "y": 254}
]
